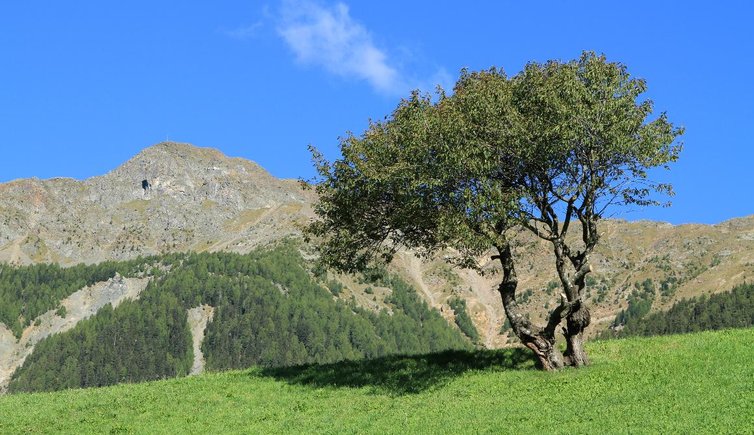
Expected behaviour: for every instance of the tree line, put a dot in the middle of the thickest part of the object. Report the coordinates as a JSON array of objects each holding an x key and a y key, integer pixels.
[
  {"x": 733, "y": 309},
  {"x": 270, "y": 310}
]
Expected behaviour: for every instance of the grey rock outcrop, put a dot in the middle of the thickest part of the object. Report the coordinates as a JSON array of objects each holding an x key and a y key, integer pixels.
[
  {"x": 78, "y": 306},
  {"x": 198, "y": 318},
  {"x": 198, "y": 199}
]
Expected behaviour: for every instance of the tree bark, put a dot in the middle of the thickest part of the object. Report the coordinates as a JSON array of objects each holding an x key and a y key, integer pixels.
[
  {"x": 540, "y": 340},
  {"x": 576, "y": 322},
  {"x": 548, "y": 355},
  {"x": 578, "y": 317}
]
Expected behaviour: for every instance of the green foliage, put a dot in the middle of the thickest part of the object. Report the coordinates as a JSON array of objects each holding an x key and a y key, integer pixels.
[
  {"x": 589, "y": 136},
  {"x": 463, "y": 320},
  {"x": 597, "y": 285},
  {"x": 61, "y": 311},
  {"x": 138, "y": 341},
  {"x": 716, "y": 260},
  {"x": 457, "y": 171},
  {"x": 662, "y": 263},
  {"x": 551, "y": 286},
  {"x": 668, "y": 286},
  {"x": 375, "y": 275},
  {"x": 631, "y": 387},
  {"x": 335, "y": 287},
  {"x": 639, "y": 303},
  {"x": 525, "y": 296},
  {"x": 27, "y": 292},
  {"x": 269, "y": 311},
  {"x": 506, "y": 326},
  {"x": 734, "y": 309},
  {"x": 414, "y": 180}
]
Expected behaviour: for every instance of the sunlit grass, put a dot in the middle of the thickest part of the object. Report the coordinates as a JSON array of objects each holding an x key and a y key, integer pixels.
[{"x": 699, "y": 383}]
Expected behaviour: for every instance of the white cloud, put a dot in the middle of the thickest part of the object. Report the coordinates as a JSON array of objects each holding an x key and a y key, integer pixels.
[{"x": 330, "y": 39}]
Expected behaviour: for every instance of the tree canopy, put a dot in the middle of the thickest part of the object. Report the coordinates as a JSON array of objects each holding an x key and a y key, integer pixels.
[{"x": 461, "y": 172}]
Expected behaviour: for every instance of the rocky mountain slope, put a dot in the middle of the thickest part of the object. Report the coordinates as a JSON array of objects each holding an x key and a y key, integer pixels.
[
  {"x": 177, "y": 197},
  {"x": 169, "y": 197},
  {"x": 78, "y": 306},
  {"x": 675, "y": 261}
]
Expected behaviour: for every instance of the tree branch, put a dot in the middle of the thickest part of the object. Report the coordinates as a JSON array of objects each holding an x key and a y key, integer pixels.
[
  {"x": 558, "y": 314},
  {"x": 534, "y": 229}
]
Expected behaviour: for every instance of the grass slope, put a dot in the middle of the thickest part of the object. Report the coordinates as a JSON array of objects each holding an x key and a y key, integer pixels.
[{"x": 682, "y": 384}]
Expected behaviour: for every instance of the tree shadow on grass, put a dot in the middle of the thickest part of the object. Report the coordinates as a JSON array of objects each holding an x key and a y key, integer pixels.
[{"x": 400, "y": 375}]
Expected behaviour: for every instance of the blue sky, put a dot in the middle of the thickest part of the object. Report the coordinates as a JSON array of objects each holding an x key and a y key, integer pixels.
[{"x": 85, "y": 85}]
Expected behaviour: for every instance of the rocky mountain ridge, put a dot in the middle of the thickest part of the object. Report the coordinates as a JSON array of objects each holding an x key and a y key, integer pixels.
[
  {"x": 169, "y": 197},
  {"x": 177, "y": 197}
]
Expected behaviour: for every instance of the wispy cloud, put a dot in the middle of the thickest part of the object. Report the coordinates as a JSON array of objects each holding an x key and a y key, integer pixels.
[
  {"x": 244, "y": 32},
  {"x": 329, "y": 38}
]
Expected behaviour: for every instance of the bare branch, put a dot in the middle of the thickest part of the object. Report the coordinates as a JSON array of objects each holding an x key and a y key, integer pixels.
[{"x": 534, "y": 229}]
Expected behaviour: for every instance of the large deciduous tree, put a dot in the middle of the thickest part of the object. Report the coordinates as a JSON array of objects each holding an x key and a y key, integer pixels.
[
  {"x": 560, "y": 142},
  {"x": 590, "y": 144}
]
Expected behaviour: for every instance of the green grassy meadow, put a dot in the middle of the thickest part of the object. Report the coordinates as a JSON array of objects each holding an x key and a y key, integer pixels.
[{"x": 696, "y": 383}]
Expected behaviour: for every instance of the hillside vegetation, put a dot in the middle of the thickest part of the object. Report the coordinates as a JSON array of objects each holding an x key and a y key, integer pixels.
[
  {"x": 269, "y": 311},
  {"x": 27, "y": 292},
  {"x": 734, "y": 309},
  {"x": 697, "y": 383}
]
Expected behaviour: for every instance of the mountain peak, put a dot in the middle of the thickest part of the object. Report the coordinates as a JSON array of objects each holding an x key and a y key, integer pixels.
[
  {"x": 182, "y": 149},
  {"x": 187, "y": 151},
  {"x": 169, "y": 196},
  {"x": 189, "y": 164}
]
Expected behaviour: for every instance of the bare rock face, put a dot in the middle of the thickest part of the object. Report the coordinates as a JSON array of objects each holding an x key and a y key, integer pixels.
[
  {"x": 198, "y": 318},
  {"x": 78, "y": 306},
  {"x": 169, "y": 197}
]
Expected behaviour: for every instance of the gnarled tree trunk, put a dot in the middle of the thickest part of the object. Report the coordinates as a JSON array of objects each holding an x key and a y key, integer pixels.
[
  {"x": 578, "y": 317},
  {"x": 532, "y": 336},
  {"x": 540, "y": 340},
  {"x": 576, "y": 322}
]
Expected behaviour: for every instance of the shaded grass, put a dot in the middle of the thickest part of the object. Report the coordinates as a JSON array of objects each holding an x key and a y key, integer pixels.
[
  {"x": 697, "y": 383},
  {"x": 398, "y": 375}
]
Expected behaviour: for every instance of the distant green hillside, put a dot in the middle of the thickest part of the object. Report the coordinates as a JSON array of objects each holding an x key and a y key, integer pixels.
[
  {"x": 698, "y": 383},
  {"x": 733, "y": 309},
  {"x": 270, "y": 310}
]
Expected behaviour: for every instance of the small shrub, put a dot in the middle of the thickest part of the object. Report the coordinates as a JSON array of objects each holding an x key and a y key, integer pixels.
[
  {"x": 335, "y": 287},
  {"x": 463, "y": 320}
]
